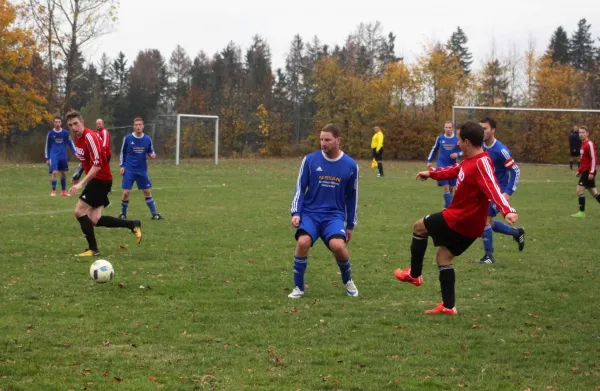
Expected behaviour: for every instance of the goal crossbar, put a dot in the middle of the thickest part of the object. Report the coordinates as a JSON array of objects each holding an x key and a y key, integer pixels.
[
  {"x": 177, "y": 147},
  {"x": 454, "y": 108}
]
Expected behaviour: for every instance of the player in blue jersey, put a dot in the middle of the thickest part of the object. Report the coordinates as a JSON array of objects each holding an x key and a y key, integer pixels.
[
  {"x": 325, "y": 206},
  {"x": 447, "y": 146},
  {"x": 137, "y": 146},
  {"x": 507, "y": 172},
  {"x": 56, "y": 155}
]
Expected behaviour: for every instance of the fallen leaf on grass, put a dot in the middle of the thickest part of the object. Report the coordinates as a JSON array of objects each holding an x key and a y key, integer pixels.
[
  {"x": 251, "y": 261},
  {"x": 293, "y": 309},
  {"x": 278, "y": 361},
  {"x": 122, "y": 247},
  {"x": 549, "y": 387},
  {"x": 152, "y": 378},
  {"x": 121, "y": 286},
  {"x": 475, "y": 326},
  {"x": 105, "y": 373},
  {"x": 526, "y": 354},
  {"x": 117, "y": 379},
  {"x": 461, "y": 384},
  {"x": 534, "y": 315}
]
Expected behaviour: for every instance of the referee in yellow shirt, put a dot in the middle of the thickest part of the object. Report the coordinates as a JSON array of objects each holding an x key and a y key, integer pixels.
[{"x": 377, "y": 147}]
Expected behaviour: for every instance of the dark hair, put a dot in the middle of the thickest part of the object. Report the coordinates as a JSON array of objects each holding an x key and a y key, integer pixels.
[
  {"x": 333, "y": 129},
  {"x": 73, "y": 114},
  {"x": 138, "y": 119},
  {"x": 473, "y": 132},
  {"x": 488, "y": 120},
  {"x": 58, "y": 118}
]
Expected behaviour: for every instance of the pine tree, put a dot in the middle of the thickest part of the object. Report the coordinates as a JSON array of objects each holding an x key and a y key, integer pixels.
[
  {"x": 494, "y": 85},
  {"x": 559, "y": 47},
  {"x": 456, "y": 47},
  {"x": 581, "y": 50}
]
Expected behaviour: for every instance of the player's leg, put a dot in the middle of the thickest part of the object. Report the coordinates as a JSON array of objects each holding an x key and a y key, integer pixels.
[
  {"x": 581, "y": 186},
  {"x": 144, "y": 184},
  {"x": 418, "y": 247},
  {"x": 594, "y": 192},
  {"x": 488, "y": 237},
  {"x": 447, "y": 279},
  {"x": 126, "y": 185},
  {"x": 87, "y": 226},
  {"x": 306, "y": 234},
  {"x": 379, "y": 159},
  {"x": 518, "y": 234},
  {"x": 334, "y": 236},
  {"x": 63, "y": 167},
  {"x": 53, "y": 170},
  {"x": 447, "y": 194}
]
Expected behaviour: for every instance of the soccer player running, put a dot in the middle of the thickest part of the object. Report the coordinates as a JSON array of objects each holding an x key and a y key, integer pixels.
[
  {"x": 325, "y": 206},
  {"x": 586, "y": 171},
  {"x": 507, "y": 173},
  {"x": 447, "y": 146},
  {"x": 134, "y": 167},
  {"x": 377, "y": 149},
  {"x": 460, "y": 224},
  {"x": 104, "y": 137},
  {"x": 56, "y": 155},
  {"x": 574, "y": 146},
  {"x": 98, "y": 182}
]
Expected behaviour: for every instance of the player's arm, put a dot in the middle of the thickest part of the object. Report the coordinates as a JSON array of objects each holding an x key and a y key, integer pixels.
[
  {"x": 123, "y": 156},
  {"x": 301, "y": 185},
  {"x": 71, "y": 144},
  {"x": 487, "y": 182},
  {"x": 150, "y": 149},
  {"x": 93, "y": 145},
  {"x": 440, "y": 174},
  {"x": 48, "y": 147},
  {"x": 592, "y": 151},
  {"x": 352, "y": 203},
  {"x": 515, "y": 173},
  {"x": 434, "y": 151}
]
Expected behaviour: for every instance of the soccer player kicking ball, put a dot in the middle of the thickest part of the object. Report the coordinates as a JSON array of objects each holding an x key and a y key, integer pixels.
[
  {"x": 97, "y": 181},
  {"x": 134, "y": 167},
  {"x": 586, "y": 171},
  {"x": 460, "y": 224},
  {"x": 324, "y": 206}
]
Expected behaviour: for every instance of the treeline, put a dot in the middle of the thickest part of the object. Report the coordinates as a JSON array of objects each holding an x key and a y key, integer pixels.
[{"x": 357, "y": 84}]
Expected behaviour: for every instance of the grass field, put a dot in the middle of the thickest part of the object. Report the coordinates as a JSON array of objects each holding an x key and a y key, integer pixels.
[{"x": 202, "y": 302}]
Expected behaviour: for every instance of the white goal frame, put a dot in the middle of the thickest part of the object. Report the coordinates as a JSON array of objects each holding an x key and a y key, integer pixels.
[
  {"x": 454, "y": 108},
  {"x": 178, "y": 145}
]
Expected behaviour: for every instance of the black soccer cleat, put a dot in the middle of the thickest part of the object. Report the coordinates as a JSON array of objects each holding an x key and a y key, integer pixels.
[
  {"x": 122, "y": 216},
  {"x": 520, "y": 238},
  {"x": 487, "y": 260},
  {"x": 157, "y": 217}
]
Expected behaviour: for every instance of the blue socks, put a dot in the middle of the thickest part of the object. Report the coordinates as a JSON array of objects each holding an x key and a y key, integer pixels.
[
  {"x": 488, "y": 240},
  {"x": 503, "y": 228},
  {"x": 299, "y": 269},
  {"x": 346, "y": 270},
  {"x": 447, "y": 199},
  {"x": 124, "y": 206},
  {"x": 151, "y": 205},
  {"x": 53, "y": 181},
  {"x": 63, "y": 183}
]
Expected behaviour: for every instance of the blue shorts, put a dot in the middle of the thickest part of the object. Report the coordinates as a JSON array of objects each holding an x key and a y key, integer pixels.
[
  {"x": 493, "y": 210},
  {"x": 58, "y": 165},
  {"x": 324, "y": 227},
  {"x": 142, "y": 181},
  {"x": 449, "y": 182}
]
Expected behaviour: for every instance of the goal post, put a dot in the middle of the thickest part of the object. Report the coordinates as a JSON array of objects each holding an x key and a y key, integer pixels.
[{"x": 178, "y": 136}]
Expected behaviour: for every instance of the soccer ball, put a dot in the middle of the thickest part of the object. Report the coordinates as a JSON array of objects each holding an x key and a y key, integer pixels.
[{"x": 102, "y": 271}]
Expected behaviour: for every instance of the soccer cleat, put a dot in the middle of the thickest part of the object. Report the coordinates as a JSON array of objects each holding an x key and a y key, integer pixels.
[
  {"x": 404, "y": 276},
  {"x": 122, "y": 216},
  {"x": 137, "y": 231},
  {"x": 296, "y": 293},
  {"x": 351, "y": 289},
  {"x": 520, "y": 238},
  {"x": 487, "y": 260},
  {"x": 157, "y": 217},
  {"x": 53, "y": 193},
  {"x": 89, "y": 253},
  {"x": 64, "y": 194},
  {"x": 440, "y": 309},
  {"x": 579, "y": 214}
]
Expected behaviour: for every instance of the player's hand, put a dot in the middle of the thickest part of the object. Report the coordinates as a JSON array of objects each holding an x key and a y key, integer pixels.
[
  {"x": 122, "y": 171},
  {"x": 348, "y": 235},
  {"x": 578, "y": 174},
  {"x": 511, "y": 218},
  {"x": 73, "y": 180},
  {"x": 295, "y": 221},
  {"x": 48, "y": 163},
  {"x": 73, "y": 190},
  {"x": 423, "y": 175},
  {"x": 506, "y": 196},
  {"x": 152, "y": 155},
  {"x": 429, "y": 165},
  {"x": 591, "y": 176},
  {"x": 453, "y": 155}
]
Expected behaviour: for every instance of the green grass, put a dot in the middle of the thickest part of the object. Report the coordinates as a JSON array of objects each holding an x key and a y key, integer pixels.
[{"x": 214, "y": 313}]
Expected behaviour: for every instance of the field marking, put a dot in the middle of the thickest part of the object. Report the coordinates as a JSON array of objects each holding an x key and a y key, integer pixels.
[{"x": 40, "y": 212}]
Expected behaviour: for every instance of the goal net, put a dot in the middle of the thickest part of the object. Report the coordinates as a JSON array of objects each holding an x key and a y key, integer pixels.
[{"x": 534, "y": 135}]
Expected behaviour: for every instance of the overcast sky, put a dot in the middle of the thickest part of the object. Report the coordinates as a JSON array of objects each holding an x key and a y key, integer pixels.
[{"x": 210, "y": 25}]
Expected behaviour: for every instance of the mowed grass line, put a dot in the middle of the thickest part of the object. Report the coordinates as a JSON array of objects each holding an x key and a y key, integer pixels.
[{"x": 213, "y": 312}]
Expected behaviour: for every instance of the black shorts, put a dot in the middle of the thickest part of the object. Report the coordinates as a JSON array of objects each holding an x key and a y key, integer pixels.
[
  {"x": 575, "y": 153},
  {"x": 95, "y": 193},
  {"x": 585, "y": 182},
  {"x": 444, "y": 236},
  {"x": 378, "y": 155}
]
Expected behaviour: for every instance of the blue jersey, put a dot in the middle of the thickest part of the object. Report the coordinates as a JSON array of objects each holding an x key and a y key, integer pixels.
[
  {"x": 507, "y": 171},
  {"x": 446, "y": 146},
  {"x": 134, "y": 152},
  {"x": 56, "y": 145},
  {"x": 327, "y": 187}
]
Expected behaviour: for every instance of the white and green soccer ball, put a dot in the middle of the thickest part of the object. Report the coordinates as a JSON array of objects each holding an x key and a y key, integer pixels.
[{"x": 102, "y": 271}]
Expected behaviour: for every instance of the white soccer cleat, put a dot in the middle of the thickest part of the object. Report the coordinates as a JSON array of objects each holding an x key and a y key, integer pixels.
[
  {"x": 351, "y": 289},
  {"x": 296, "y": 293}
]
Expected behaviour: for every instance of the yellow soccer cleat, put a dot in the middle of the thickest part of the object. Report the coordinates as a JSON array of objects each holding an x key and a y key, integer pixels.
[
  {"x": 89, "y": 253},
  {"x": 137, "y": 231}
]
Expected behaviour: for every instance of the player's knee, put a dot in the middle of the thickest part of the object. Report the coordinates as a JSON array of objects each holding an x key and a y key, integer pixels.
[
  {"x": 419, "y": 228},
  {"x": 304, "y": 242},
  {"x": 337, "y": 245},
  {"x": 147, "y": 193}
]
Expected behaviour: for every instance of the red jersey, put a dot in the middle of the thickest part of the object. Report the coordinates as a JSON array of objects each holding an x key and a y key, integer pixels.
[
  {"x": 588, "y": 157},
  {"x": 105, "y": 138},
  {"x": 90, "y": 153},
  {"x": 475, "y": 187}
]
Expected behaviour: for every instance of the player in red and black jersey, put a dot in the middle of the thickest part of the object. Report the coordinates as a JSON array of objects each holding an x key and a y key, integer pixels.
[
  {"x": 462, "y": 222},
  {"x": 586, "y": 171},
  {"x": 98, "y": 182}
]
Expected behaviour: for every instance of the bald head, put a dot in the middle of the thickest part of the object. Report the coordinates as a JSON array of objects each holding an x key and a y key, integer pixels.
[{"x": 99, "y": 124}]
